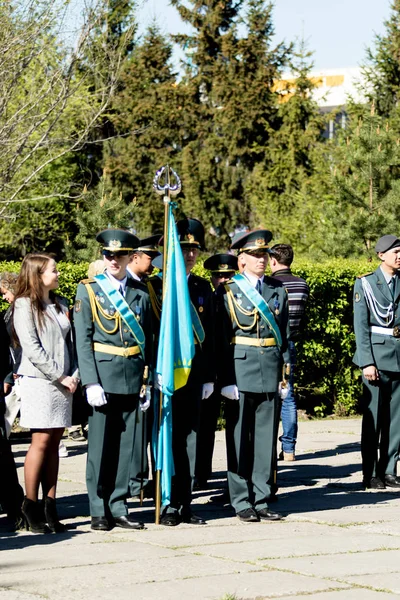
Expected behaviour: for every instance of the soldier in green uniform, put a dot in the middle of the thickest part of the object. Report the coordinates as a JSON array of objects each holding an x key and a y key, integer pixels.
[
  {"x": 114, "y": 345},
  {"x": 253, "y": 358},
  {"x": 186, "y": 401},
  {"x": 222, "y": 268},
  {"x": 140, "y": 267},
  {"x": 377, "y": 330}
]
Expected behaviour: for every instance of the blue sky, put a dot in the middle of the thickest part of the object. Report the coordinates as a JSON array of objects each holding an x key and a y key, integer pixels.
[{"x": 336, "y": 30}]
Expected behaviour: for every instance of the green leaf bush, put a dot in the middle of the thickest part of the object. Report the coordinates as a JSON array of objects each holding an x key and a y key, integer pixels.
[{"x": 327, "y": 382}]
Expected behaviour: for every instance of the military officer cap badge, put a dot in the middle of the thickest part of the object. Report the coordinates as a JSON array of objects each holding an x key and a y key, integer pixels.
[
  {"x": 252, "y": 241},
  {"x": 191, "y": 233},
  {"x": 117, "y": 241},
  {"x": 221, "y": 264},
  {"x": 387, "y": 242}
]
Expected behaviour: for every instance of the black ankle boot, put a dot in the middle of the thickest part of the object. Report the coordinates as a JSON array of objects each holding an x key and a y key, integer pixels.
[
  {"x": 32, "y": 513},
  {"x": 50, "y": 513}
]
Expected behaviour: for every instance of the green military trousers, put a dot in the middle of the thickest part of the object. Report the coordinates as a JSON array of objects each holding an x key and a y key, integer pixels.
[
  {"x": 251, "y": 448},
  {"x": 380, "y": 425},
  {"x": 114, "y": 433}
]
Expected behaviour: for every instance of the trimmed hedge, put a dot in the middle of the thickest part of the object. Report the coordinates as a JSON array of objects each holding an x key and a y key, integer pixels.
[{"x": 327, "y": 380}]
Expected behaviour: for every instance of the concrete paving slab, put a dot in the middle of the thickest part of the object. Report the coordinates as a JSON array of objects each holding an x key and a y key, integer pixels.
[
  {"x": 335, "y": 539},
  {"x": 390, "y": 582},
  {"x": 198, "y": 537},
  {"x": 341, "y": 566},
  {"x": 90, "y": 578},
  {"x": 331, "y": 544},
  {"x": 93, "y": 552},
  {"x": 109, "y": 585},
  {"x": 349, "y": 594}
]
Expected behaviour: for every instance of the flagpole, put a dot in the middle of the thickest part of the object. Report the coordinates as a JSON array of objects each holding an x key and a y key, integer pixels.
[{"x": 165, "y": 190}]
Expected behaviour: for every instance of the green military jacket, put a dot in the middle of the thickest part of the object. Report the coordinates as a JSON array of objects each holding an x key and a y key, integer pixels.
[
  {"x": 257, "y": 369},
  {"x": 116, "y": 374},
  {"x": 201, "y": 296},
  {"x": 372, "y": 348}
]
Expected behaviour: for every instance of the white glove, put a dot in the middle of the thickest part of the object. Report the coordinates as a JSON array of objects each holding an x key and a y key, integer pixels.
[
  {"x": 283, "y": 389},
  {"x": 231, "y": 392},
  {"x": 208, "y": 389},
  {"x": 144, "y": 401},
  {"x": 95, "y": 395}
]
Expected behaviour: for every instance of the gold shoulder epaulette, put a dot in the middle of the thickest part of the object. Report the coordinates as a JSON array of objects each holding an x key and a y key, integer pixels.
[
  {"x": 365, "y": 275},
  {"x": 89, "y": 280}
]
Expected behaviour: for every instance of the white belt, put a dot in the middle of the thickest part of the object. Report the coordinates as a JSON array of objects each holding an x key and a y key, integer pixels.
[{"x": 381, "y": 330}]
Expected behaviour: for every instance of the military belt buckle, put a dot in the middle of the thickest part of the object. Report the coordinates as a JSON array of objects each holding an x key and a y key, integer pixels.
[
  {"x": 396, "y": 331},
  {"x": 126, "y": 352},
  {"x": 262, "y": 342}
]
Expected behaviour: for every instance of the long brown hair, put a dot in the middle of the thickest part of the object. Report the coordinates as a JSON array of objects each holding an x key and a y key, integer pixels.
[{"x": 30, "y": 285}]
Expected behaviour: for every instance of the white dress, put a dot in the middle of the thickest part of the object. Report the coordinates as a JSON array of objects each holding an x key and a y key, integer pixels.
[{"x": 45, "y": 405}]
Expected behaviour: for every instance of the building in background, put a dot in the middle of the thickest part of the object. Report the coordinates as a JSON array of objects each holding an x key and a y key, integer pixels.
[{"x": 332, "y": 89}]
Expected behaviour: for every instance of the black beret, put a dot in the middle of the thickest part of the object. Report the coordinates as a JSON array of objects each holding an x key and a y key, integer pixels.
[{"x": 387, "y": 242}]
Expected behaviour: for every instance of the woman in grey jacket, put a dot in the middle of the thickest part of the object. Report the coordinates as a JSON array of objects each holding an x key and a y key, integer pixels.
[{"x": 49, "y": 377}]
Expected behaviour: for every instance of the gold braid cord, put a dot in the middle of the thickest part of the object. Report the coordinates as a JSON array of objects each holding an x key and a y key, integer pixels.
[
  {"x": 233, "y": 304},
  {"x": 155, "y": 304},
  {"x": 96, "y": 308}
]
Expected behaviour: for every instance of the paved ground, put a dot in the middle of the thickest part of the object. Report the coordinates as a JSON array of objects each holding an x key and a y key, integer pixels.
[{"x": 337, "y": 541}]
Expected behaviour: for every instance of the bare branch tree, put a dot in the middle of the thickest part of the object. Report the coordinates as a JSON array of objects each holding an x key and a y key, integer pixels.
[{"x": 54, "y": 89}]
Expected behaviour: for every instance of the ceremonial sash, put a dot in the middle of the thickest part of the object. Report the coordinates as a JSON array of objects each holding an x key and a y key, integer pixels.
[
  {"x": 259, "y": 303},
  {"x": 196, "y": 324},
  {"x": 121, "y": 305}
]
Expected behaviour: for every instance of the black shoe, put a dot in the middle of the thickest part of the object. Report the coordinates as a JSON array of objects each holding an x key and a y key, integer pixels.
[
  {"x": 170, "y": 519},
  {"x": 126, "y": 522},
  {"x": 374, "y": 484},
  {"x": 268, "y": 515},
  {"x": 189, "y": 517},
  {"x": 392, "y": 481},
  {"x": 99, "y": 524},
  {"x": 33, "y": 516},
  {"x": 51, "y": 516},
  {"x": 248, "y": 515}
]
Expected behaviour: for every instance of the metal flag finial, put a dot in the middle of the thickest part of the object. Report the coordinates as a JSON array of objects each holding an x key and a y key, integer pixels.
[{"x": 167, "y": 189}]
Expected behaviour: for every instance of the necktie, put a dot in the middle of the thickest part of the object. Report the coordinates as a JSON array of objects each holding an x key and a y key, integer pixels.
[
  {"x": 121, "y": 290},
  {"x": 259, "y": 286},
  {"x": 391, "y": 286}
]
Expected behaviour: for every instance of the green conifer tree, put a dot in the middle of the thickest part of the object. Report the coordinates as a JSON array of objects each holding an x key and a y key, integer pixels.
[
  {"x": 367, "y": 177},
  {"x": 382, "y": 67},
  {"x": 282, "y": 186},
  {"x": 229, "y": 84},
  {"x": 98, "y": 209},
  {"x": 148, "y": 116}
]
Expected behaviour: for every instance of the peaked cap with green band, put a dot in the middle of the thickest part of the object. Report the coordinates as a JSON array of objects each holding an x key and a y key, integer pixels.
[
  {"x": 252, "y": 240},
  {"x": 150, "y": 244},
  {"x": 117, "y": 240},
  {"x": 221, "y": 263},
  {"x": 191, "y": 233}
]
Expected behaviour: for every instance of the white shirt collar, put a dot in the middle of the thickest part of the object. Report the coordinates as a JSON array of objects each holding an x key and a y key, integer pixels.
[
  {"x": 133, "y": 274},
  {"x": 252, "y": 278},
  {"x": 386, "y": 275},
  {"x": 117, "y": 283}
]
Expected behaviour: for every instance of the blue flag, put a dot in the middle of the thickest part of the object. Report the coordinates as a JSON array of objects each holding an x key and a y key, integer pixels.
[{"x": 175, "y": 350}]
